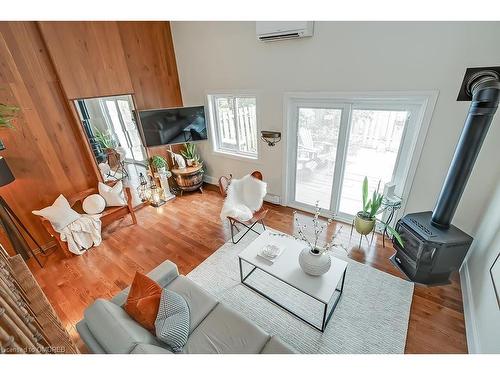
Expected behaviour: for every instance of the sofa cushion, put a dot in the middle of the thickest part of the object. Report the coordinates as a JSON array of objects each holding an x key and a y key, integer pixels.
[
  {"x": 114, "y": 329},
  {"x": 200, "y": 303},
  {"x": 172, "y": 322},
  {"x": 163, "y": 274},
  {"x": 149, "y": 349},
  {"x": 276, "y": 346},
  {"x": 143, "y": 301},
  {"x": 224, "y": 331},
  {"x": 88, "y": 338}
]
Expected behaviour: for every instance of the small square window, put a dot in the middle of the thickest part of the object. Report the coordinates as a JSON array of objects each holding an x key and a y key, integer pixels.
[{"x": 234, "y": 120}]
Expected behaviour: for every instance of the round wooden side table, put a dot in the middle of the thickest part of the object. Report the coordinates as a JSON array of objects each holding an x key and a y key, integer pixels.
[{"x": 189, "y": 178}]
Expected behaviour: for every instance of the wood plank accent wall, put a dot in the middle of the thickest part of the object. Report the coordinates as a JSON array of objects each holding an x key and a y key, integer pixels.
[
  {"x": 149, "y": 52},
  {"x": 142, "y": 62},
  {"x": 43, "y": 66},
  {"x": 154, "y": 76},
  {"x": 88, "y": 58},
  {"x": 45, "y": 151}
]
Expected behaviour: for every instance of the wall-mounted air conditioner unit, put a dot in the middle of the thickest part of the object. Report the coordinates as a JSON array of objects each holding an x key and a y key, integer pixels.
[{"x": 279, "y": 30}]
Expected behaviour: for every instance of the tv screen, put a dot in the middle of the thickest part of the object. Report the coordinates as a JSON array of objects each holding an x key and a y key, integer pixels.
[{"x": 173, "y": 125}]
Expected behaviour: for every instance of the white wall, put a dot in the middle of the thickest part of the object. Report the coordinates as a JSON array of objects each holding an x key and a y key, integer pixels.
[
  {"x": 349, "y": 56},
  {"x": 482, "y": 312}
]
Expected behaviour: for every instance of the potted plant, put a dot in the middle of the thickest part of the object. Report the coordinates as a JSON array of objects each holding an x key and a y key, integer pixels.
[
  {"x": 105, "y": 139},
  {"x": 158, "y": 163},
  {"x": 365, "y": 220},
  {"x": 7, "y": 114},
  {"x": 189, "y": 153}
]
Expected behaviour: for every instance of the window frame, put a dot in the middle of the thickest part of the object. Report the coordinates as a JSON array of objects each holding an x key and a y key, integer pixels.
[
  {"x": 422, "y": 104},
  {"x": 210, "y": 97}
]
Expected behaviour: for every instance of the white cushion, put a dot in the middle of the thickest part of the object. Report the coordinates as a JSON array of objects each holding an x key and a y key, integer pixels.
[
  {"x": 113, "y": 195},
  {"x": 94, "y": 204},
  {"x": 60, "y": 214}
]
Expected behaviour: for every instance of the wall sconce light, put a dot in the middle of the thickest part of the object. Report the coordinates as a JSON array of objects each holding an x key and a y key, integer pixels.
[{"x": 270, "y": 137}]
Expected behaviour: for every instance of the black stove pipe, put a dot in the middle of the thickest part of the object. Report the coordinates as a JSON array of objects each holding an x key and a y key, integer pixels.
[{"x": 484, "y": 89}]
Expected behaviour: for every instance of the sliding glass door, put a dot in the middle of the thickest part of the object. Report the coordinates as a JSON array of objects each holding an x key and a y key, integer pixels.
[
  {"x": 317, "y": 139},
  {"x": 372, "y": 150},
  {"x": 335, "y": 144}
]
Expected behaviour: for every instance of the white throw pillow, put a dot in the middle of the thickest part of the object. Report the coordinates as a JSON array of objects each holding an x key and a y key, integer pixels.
[
  {"x": 94, "y": 204},
  {"x": 113, "y": 195},
  {"x": 60, "y": 214}
]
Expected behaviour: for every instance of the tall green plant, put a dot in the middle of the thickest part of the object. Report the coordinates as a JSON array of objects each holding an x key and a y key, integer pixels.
[
  {"x": 373, "y": 206},
  {"x": 189, "y": 152},
  {"x": 105, "y": 139},
  {"x": 7, "y": 114}
]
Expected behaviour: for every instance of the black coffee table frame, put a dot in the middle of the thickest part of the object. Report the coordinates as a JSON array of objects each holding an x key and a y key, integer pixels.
[{"x": 326, "y": 315}]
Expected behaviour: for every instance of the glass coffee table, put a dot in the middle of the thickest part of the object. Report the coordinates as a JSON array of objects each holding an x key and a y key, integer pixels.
[{"x": 311, "y": 299}]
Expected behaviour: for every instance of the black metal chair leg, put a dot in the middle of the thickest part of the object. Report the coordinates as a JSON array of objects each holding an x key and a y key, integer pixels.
[
  {"x": 232, "y": 231},
  {"x": 249, "y": 228}
]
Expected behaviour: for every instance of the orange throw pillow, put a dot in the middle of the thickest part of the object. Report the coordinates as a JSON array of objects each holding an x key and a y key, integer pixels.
[{"x": 143, "y": 301}]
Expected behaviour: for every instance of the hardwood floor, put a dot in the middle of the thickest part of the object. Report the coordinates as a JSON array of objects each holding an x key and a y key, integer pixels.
[{"x": 187, "y": 230}]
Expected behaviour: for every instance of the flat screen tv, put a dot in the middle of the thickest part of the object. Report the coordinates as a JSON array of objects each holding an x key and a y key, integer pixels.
[{"x": 170, "y": 126}]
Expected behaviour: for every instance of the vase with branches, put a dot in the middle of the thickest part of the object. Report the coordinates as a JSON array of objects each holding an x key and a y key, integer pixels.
[{"x": 314, "y": 258}]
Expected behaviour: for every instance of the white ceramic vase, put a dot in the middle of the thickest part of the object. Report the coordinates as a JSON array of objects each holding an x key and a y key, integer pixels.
[{"x": 314, "y": 263}]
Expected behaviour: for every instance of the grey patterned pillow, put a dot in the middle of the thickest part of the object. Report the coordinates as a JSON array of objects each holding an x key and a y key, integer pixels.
[{"x": 172, "y": 321}]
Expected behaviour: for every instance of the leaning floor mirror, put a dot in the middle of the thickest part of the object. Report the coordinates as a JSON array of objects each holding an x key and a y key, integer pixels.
[{"x": 113, "y": 135}]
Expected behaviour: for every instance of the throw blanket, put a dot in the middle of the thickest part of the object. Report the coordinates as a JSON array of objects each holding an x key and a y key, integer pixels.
[
  {"x": 82, "y": 233},
  {"x": 244, "y": 197}
]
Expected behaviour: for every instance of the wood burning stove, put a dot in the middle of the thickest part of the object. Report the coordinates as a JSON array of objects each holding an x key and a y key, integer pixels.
[{"x": 433, "y": 247}]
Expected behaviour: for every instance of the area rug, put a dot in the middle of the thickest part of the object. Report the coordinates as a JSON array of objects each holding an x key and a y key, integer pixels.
[{"x": 371, "y": 317}]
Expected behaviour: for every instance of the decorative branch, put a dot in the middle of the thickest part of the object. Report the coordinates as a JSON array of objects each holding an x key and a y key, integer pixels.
[{"x": 318, "y": 230}]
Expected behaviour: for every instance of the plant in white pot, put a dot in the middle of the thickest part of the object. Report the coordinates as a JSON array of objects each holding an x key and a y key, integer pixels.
[
  {"x": 365, "y": 220},
  {"x": 314, "y": 259},
  {"x": 159, "y": 163}
]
